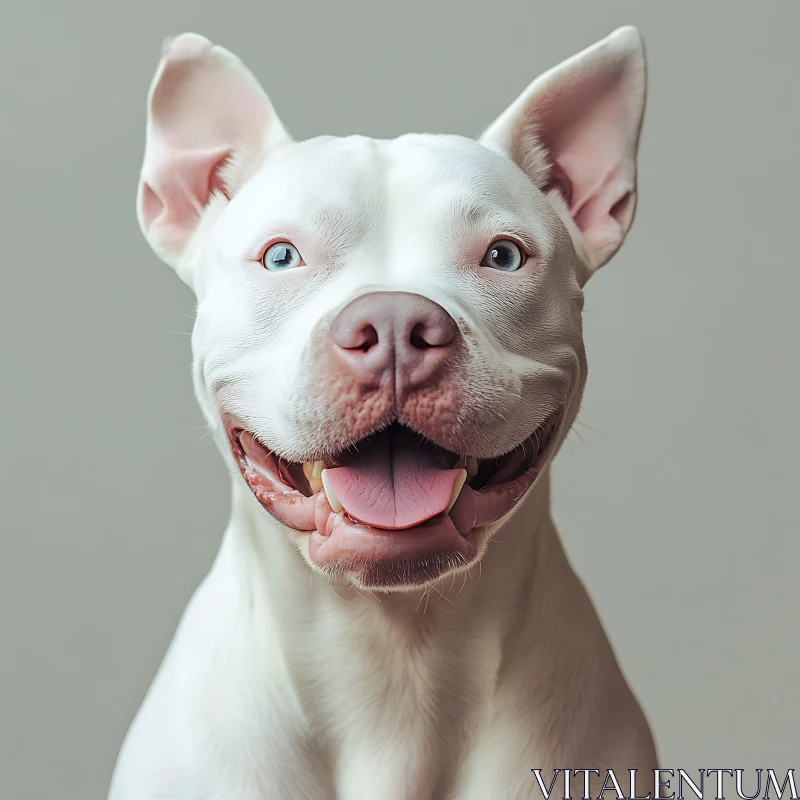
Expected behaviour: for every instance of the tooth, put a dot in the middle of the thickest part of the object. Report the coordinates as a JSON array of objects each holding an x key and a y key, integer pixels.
[
  {"x": 461, "y": 463},
  {"x": 313, "y": 472},
  {"x": 335, "y": 504},
  {"x": 457, "y": 487},
  {"x": 472, "y": 467}
]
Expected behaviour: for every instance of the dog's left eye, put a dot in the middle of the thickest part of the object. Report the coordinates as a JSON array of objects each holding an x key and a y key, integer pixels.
[
  {"x": 281, "y": 256},
  {"x": 504, "y": 255}
]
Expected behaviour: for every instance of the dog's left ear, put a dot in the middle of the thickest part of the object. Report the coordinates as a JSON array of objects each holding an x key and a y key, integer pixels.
[{"x": 575, "y": 132}]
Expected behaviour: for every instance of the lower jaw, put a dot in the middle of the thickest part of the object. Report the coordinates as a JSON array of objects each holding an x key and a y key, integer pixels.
[
  {"x": 382, "y": 559},
  {"x": 376, "y": 558}
]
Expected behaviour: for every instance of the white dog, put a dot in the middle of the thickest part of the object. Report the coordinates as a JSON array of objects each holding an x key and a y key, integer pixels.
[{"x": 388, "y": 349}]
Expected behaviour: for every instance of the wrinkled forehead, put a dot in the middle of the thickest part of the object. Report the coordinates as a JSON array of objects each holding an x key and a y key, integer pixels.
[{"x": 344, "y": 191}]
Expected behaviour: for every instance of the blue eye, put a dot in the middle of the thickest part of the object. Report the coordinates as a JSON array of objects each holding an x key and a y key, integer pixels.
[
  {"x": 503, "y": 255},
  {"x": 281, "y": 256}
]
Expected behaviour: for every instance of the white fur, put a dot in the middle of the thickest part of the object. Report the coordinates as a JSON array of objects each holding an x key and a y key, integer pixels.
[{"x": 282, "y": 682}]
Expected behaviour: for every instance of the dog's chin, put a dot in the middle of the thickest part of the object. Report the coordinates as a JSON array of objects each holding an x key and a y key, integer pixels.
[{"x": 394, "y": 511}]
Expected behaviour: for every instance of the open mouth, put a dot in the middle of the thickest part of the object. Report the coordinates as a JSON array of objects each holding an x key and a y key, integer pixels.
[{"x": 394, "y": 497}]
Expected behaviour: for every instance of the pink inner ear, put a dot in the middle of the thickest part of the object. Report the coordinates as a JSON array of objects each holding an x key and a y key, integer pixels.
[
  {"x": 589, "y": 128},
  {"x": 151, "y": 206},
  {"x": 575, "y": 131},
  {"x": 177, "y": 189},
  {"x": 558, "y": 180},
  {"x": 622, "y": 210},
  {"x": 209, "y": 125}
]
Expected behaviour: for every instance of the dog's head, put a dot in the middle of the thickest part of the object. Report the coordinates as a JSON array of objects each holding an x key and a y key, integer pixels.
[{"x": 388, "y": 341}]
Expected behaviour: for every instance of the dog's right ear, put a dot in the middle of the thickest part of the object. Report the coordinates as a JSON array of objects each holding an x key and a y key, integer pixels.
[{"x": 209, "y": 126}]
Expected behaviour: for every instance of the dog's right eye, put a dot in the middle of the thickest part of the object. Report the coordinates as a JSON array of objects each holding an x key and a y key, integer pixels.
[
  {"x": 281, "y": 256},
  {"x": 504, "y": 255}
]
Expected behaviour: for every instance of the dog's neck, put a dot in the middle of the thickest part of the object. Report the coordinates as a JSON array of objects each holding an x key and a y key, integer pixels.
[
  {"x": 355, "y": 675},
  {"x": 263, "y": 570}
]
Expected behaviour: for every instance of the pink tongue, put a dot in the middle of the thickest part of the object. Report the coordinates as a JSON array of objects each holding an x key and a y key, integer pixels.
[{"x": 393, "y": 483}]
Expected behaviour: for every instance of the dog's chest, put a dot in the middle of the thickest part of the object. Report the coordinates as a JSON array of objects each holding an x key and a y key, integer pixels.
[
  {"x": 349, "y": 707},
  {"x": 378, "y": 716},
  {"x": 397, "y": 720},
  {"x": 406, "y": 761}
]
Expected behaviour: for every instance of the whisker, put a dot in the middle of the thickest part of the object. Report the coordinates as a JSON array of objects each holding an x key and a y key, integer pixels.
[
  {"x": 330, "y": 584},
  {"x": 204, "y": 436},
  {"x": 588, "y": 427},
  {"x": 443, "y": 597}
]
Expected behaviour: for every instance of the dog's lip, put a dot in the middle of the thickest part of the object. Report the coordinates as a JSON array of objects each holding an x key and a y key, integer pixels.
[
  {"x": 552, "y": 422},
  {"x": 280, "y": 487}
]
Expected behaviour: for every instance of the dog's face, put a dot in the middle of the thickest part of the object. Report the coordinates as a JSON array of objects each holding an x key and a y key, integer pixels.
[{"x": 388, "y": 339}]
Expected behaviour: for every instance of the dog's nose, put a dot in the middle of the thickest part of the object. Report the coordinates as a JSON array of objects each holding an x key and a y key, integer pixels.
[{"x": 400, "y": 334}]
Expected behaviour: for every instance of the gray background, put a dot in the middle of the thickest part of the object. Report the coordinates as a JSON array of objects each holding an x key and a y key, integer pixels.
[{"x": 677, "y": 495}]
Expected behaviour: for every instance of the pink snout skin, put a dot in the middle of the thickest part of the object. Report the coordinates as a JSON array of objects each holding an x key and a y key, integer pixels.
[
  {"x": 390, "y": 356},
  {"x": 393, "y": 336}
]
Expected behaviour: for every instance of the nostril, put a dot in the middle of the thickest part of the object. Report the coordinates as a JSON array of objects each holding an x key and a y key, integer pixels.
[
  {"x": 418, "y": 337},
  {"x": 380, "y": 329},
  {"x": 364, "y": 339},
  {"x": 425, "y": 335}
]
